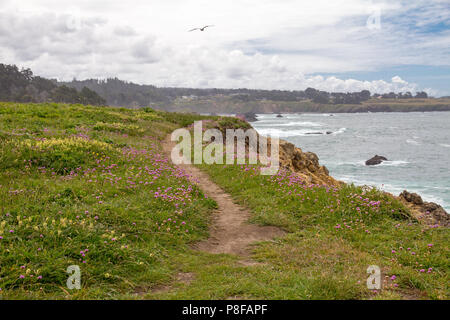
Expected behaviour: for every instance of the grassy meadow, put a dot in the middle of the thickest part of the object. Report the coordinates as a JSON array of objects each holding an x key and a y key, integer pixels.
[
  {"x": 90, "y": 186},
  {"x": 336, "y": 233}
]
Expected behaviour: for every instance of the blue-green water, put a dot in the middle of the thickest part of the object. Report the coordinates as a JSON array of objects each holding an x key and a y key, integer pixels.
[{"x": 417, "y": 145}]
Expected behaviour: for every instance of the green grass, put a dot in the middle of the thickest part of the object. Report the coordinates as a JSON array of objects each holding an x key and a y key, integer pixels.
[
  {"x": 99, "y": 196},
  {"x": 89, "y": 186},
  {"x": 336, "y": 234}
]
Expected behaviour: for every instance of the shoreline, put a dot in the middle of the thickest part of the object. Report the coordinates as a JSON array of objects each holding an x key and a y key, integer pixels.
[
  {"x": 313, "y": 113},
  {"x": 394, "y": 190},
  {"x": 359, "y": 175},
  {"x": 306, "y": 165},
  {"x": 348, "y": 112},
  {"x": 224, "y": 105}
]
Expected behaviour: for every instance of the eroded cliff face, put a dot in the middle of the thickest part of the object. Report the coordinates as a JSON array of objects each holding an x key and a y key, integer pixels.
[
  {"x": 292, "y": 158},
  {"x": 305, "y": 164},
  {"x": 428, "y": 212}
]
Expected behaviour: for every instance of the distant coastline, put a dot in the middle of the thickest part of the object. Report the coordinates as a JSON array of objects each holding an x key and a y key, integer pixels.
[
  {"x": 21, "y": 85},
  {"x": 222, "y": 105}
]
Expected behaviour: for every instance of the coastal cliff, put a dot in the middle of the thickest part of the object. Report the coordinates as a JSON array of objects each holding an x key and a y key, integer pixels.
[
  {"x": 305, "y": 164},
  {"x": 96, "y": 185},
  {"x": 292, "y": 158},
  {"x": 308, "y": 167}
]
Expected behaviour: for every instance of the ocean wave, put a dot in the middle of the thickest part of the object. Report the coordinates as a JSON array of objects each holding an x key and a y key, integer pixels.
[
  {"x": 341, "y": 130},
  {"x": 414, "y": 142},
  {"x": 437, "y": 188},
  {"x": 394, "y": 163},
  {"x": 281, "y": 133},
  {"x": 362, "y": 163},
  {"x": 276, "y": 123},
  {"x": 444, "y": 145},
  {"x": 319, "y": 114},
  {"x": 352, "y": 163},
  {"x": 347, "y": 179},
  {"x": 296, "y": 133},
  {"x": 301, "y": 124}
]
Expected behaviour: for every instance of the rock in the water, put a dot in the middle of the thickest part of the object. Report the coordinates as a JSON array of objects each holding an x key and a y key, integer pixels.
[
  {"x": 279, "y": 116},
  {"x": 375, "y": 160}
]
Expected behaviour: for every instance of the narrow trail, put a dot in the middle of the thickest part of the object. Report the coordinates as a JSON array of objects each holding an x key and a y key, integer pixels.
[{"x": 230, "y": 232}]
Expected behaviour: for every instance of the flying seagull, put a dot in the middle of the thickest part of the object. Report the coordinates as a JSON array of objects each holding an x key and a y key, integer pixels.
[{"x": 201, "y": 29}]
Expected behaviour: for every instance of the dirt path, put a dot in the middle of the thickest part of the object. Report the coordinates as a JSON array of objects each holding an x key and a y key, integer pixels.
[{"x": 230, "y": 232}]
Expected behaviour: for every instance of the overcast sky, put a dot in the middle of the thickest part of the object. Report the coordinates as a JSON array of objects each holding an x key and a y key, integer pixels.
[{"x": 339, "y": 45}]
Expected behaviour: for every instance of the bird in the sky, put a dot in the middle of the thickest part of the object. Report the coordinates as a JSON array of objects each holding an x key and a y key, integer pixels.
[{"x": 201, "y": 29}]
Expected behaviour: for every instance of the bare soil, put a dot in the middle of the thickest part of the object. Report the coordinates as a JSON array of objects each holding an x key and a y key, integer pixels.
[{"x": 230, "y": 231}]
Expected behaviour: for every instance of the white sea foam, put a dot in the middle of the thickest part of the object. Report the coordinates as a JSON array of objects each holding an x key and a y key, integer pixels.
[
  {"x": 276, "y": 123},
  {"x": 444, "y": 145},
  {"x": 296, "y": 133},
  {"x": 352, "y": 163},
  {"x": 362, "y": 163},
  {"x": 414, "y": 142},
  {"x": 316, "y": 115},
  {"x": 394, "y": 163},
  {"x": 282, "y": 133},
  {"x": 301, "y": 124},
  {"x": 341, "y": 130}
]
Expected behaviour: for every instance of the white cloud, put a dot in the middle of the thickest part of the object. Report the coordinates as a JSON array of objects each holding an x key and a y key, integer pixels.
[{"x": 268, "y": 44}]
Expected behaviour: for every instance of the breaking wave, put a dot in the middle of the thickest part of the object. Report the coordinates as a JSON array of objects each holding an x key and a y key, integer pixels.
[
  {"x": 413, "y": 142},
  {"x": 297, "y": 132}
]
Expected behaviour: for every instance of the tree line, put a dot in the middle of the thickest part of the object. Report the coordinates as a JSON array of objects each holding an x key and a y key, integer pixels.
[
  {"x": 22, "y": 86},
  {"x": 122, "y": 93}
]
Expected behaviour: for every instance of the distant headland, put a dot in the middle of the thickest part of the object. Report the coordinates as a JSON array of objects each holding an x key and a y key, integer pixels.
[{"x": 21, "y": 85}]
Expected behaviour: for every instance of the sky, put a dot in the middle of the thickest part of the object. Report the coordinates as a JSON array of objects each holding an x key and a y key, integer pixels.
[{"x": 339, "y": 45}]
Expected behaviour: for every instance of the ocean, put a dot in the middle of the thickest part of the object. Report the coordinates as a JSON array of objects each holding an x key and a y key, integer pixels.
[{"x": 416, "y": 144}]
